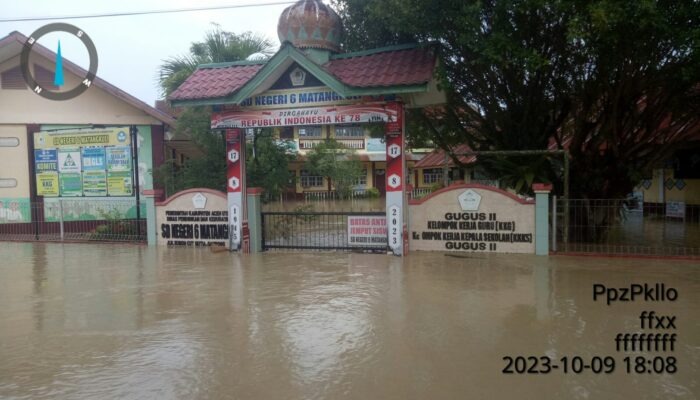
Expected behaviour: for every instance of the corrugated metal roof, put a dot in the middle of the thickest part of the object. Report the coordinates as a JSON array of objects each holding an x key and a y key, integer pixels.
[{"x": 436, "y": 159}]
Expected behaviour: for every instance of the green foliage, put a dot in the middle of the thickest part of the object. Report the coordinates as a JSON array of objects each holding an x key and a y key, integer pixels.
[
  {"x": 268, "y": 165},
  {"x": 218, "y": 46},
  {"x": 208, "y": 170},
  {"x": 605, "y": 75},
  {"x": 115, "y": 228},
  {"x": 372, "y": 193},
  {"x": 340, "y": 164}
]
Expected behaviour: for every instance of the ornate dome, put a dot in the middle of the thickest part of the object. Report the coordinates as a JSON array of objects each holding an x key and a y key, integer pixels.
[{"x": 310, "y": 24}]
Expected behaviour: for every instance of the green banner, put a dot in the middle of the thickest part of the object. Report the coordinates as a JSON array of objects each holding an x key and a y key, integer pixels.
[
  {"x": 94, "y": 183},
  {"x": 14, "y": 210},
  {"x": 71, "y": 184}
]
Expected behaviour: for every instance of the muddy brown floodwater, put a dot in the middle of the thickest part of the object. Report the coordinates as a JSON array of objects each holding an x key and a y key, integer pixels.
[{"x": 129, "y": 322}]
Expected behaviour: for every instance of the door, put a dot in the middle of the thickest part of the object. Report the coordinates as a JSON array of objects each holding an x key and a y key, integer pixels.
[{"x": 380, "y": 181}]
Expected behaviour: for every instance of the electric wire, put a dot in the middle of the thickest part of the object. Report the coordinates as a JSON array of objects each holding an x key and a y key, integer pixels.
[{"x": 149, "y": 12}]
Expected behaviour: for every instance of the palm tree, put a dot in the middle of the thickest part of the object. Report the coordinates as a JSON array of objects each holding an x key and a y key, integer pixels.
[{"x": 217, "y": 46}]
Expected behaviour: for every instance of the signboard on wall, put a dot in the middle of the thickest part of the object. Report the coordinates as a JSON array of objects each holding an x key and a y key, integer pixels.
[
  {"x": 462, "y": 218},
  {"x": 84, "y": 162},
  {"x": 675, "y": 209},
  {"x": 193, "y": 218},
  {"x": 367, "y": 231}
]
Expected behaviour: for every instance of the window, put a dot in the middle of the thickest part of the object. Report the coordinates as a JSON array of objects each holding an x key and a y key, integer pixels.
[
  {"x": 362, "y": 180},
  {"x": 349, "y": 131},
  {"x": 308, "y": 180},
  {"x": 431, "y": 176},
  {"x": 287, "y": 132},
  {"x": 310, "y": 132}
]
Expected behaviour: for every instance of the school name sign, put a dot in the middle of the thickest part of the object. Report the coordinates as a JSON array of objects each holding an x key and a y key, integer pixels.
[{"x": 473, "y": 218}]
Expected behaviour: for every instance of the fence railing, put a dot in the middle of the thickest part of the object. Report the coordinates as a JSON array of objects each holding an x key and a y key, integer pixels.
[
  {"x": 325, "y": 231},
  {"x": 333, "y": 195},
  {"x": 419, "y": 193},
  {"x": 75, "y": 220},
  {"x": 621, "y": 227}
]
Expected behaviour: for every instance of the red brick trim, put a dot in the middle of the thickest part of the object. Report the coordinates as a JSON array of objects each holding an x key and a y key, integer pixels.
[{"x": 190, "y": 191}]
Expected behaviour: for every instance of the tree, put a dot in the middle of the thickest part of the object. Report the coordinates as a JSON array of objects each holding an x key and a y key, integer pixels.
[
  {"x": 269, "y": 163},
  {"x": 336, "y": 162},
  {"x": 616, "y": 80},
  {"x": 209, "y": 168},
  {"x": 218, "y": 46}
]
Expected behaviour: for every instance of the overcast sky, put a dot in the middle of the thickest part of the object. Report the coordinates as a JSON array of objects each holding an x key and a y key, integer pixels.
[{"x": 131, "y": 48}]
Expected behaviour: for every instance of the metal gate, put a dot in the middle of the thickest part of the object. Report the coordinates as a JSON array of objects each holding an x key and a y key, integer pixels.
[
  {"x": 622, "y": 227},
  {"x": 348, "y": 231}
]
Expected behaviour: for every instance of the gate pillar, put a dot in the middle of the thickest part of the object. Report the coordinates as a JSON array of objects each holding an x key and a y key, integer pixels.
[
  {"x": 236, "y": 187},
  {"x": 397, "y": 229}
]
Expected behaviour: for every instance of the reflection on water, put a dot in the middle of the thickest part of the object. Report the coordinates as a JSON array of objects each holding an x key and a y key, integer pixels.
[
  {"x": 122, "y": 322},
  {"x": 356, "y": 205}
]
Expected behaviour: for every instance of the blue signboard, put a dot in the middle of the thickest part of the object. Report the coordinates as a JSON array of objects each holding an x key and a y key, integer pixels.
[
  {"x": 94, "y": 159},
  {"x": 46, "y": 161}
]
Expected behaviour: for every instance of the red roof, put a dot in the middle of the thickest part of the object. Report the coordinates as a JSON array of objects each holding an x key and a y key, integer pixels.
[
  {"x": 391, "y": 68},
  {"x": 436, "y": 159},
  {"x": 215, "y": 82},
  {"x": 397, "y": 66}
]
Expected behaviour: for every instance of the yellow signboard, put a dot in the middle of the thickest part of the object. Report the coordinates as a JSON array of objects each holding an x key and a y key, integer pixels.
[
  {"x": 47, "y": 184},
  {"x": 82, "y": 138}
]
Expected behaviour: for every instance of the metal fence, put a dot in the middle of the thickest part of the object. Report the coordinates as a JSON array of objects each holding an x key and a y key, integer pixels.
[
  {"x": 621, "y": 227},
  {"x": 76, "y": 221},
  {"x": 322, "y": 231}
]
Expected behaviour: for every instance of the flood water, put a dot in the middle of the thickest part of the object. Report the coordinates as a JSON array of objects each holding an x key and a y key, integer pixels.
[{"x": 130, "y": 322}]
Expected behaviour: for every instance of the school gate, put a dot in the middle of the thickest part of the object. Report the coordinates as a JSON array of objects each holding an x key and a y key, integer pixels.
[{"x": 310, "y": 92}]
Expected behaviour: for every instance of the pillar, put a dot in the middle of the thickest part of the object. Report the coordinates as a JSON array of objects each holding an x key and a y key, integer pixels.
[
  {"x": 542, "y": 218},
  {"x": 150, "y": 196},
  {"x": 395, "y": 180},
  {"x": 255, "y": 219},
  {"x": 236, "y": 187}
]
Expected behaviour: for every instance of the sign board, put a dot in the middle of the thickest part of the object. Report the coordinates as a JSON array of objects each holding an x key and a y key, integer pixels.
[
  {"x": 300, "y": 97},
  {"x": 47, "y": 184},
  {"x": 82, "y": 137},
  {"x": 193, "y": 218},
  {"x": 367, "y": 231},
  {"x": 675, "y": 209},
  {"x": 464, "y": 218},
  {"x": 84, "y": 162},
  {"x": 350, "y": 114}
]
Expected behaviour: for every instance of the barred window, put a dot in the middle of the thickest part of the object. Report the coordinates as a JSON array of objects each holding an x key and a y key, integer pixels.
[
  {"x": 362, "y": 180},
  {"x": 432, "y": 175},
  {"x": 349, "y": 131},
  {"x": 310, "y": 132},
  {"x": 309, "y": 180}
]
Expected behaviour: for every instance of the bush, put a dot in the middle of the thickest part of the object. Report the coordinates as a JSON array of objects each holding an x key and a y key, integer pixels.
[{"x": 372, "y": 193}]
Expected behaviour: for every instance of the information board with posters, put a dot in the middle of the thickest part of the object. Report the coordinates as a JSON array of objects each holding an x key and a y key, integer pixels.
[{"x": 84, "y": 163}]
